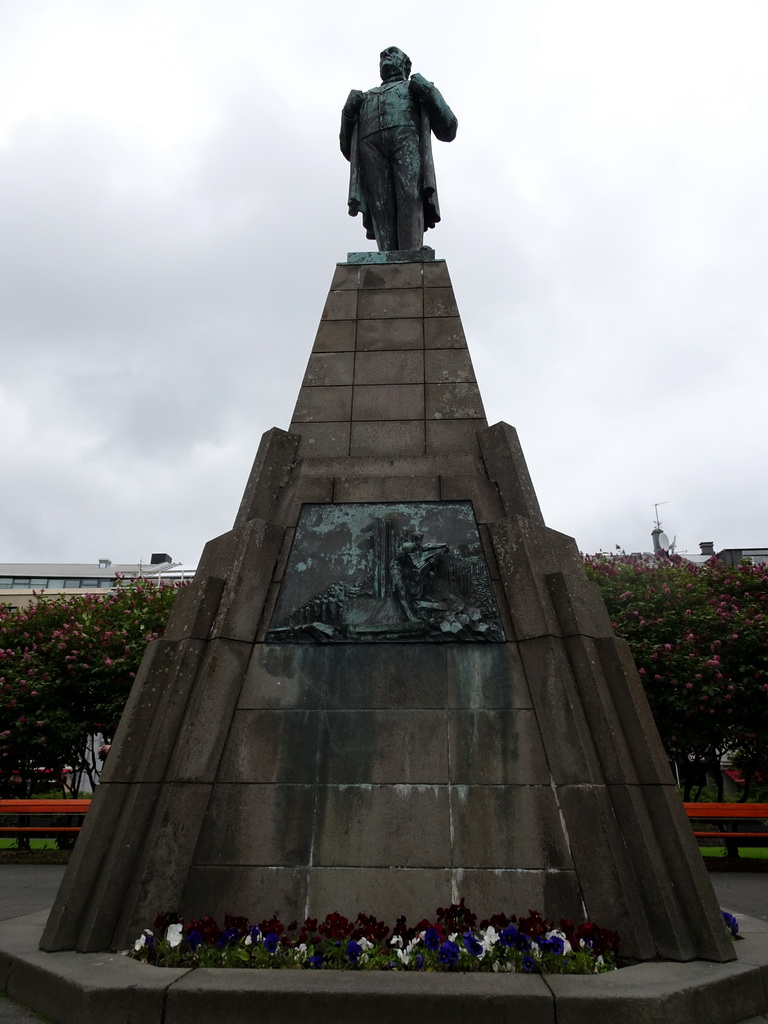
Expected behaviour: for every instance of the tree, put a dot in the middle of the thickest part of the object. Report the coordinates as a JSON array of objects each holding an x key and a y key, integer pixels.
[
  {"x": 66, "y": 669},
  {"x": 699, "y": 637}
]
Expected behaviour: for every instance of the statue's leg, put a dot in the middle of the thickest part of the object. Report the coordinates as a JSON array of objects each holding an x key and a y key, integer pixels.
[
  {"x": 406, "y": 167},
  {"x": 379, "y": 189}
]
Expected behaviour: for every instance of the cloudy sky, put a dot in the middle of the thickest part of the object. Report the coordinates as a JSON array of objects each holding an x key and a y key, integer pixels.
[{"x": 173, "y": 202}]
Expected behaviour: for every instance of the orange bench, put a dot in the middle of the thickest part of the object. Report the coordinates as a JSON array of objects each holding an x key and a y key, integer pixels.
[
  {"x": 732, "y": 815},
  {"x": 17, "y": 808}
]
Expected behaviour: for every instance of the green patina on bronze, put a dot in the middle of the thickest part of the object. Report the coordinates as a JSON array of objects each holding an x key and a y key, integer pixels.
[{"x": 411, "y": 571}]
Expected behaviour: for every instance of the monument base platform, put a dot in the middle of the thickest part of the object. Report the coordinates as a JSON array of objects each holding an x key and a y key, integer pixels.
[{"x": 91, "y": 988}]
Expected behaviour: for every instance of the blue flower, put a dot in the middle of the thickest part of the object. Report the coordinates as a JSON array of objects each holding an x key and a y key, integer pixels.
[
  {"x": 471, "y": 943},
  {"x": 194, "y": 939},
  {"x": 431, "y": 938},
  {"x": 315, "y": 960},
  {"x": 419, "y": 961},
  {"x": 353, "y": 951},
  {"x": 228, "y": 938},
  {"x": 254, "y": 933},
  {"x": 508, "y": 935},
  {"x": 522, "y": 942},
  {"x": 448, "y": 953},
  {"x": 553, "y": 945},
  {"x": 529, "y": 964},
  {"x": 731, "y": 922},
  {"x": 271, "y": 942}
]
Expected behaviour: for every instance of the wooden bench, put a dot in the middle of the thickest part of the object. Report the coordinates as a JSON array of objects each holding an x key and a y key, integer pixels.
[
  {"x": 24, "y": 808},
  {"x": 728, "y": 818}
]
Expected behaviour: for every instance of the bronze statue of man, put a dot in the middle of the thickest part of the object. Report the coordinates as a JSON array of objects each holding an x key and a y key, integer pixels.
[{"x": 385, "y": 135}]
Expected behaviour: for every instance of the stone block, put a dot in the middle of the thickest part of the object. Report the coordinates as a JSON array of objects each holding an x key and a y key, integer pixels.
[
  {"x": 396, "y": 275},
  {"x": 282, "y": 558},
  {"x": 490, "y": 558},
  {"x": 678, "y": 898},
  {"x": 323, "y": 405},
  {"x": 326, "y": 369},
  {"x": 481, "y": 492},
  {"x": 613, "y": 894},
  {"x": 269, "y": 826},
  {"x": 664, "y": 993},
  {"x": 444, "y": 332},
  {"x": 401, "y": 367},
  {"x": 72, "y": 989},
  {"x": 383, "y": 747},
  {"x": 525, "y": 556},
  {"x": 382, "y": 826},
  {"x": 386, "y": 335},
  {"x": 194, "y": 609},
  {"x": 385, "y": 893},
  {"x": 253, "y": 891},
  {"x": 485, "y": 676},
  {"x": 454, "y": 401},
  {"x": 648, "y": 754},
  {"x": 165, "y": 856},
  {"x": 304, "y": 489},
  {"x": 270, "y": 602},
  {"x": 521, "y": 828},
  {"x": 114, "y": 826},
  {"x": 387, "y": 488},
  {"x": 556, "y": 700},
  {"x": 436, "y": 275},
  {"x": 579, "y": 605},
  {"x": 553, "y": 893},
  {"x": 341, "y": 305},
  {"x": 282, "y": 676},
  {"x": 448, "y": 366},
  {"x": 335, "y": 336},
  {"x": 147, "y": 730},
  {"x": 444, "y": 436},
  {"x": 597, "y": 696},
  {"x": 449, "y": 463},
  {"x": 347, "y": 997},
  {"x": 440, "y": 302},
  {"x": 203, "y": 731},
  {"x": 387, "y": 438},
  {"x": 497, "y": 748},
  {"x": 243, "y": 598},
  {"x": 345, "y": 277},
  {"x": 271, "y": 471},
  {"x": 505, "y": 462},
  {"x": 388, "y": 402},
  {"x": 406, "y": 676},
  {"x": 321, "y": 440},
  {"x": 503, "y": 607},
  {"x": 387, "y": 303},
  {"x": 271, "y": 746}
]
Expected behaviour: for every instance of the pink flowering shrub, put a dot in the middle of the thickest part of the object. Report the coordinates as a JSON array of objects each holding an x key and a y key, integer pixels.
[
  {"x": 699, "y": 637},
  {"x": 66, "y": 669}
]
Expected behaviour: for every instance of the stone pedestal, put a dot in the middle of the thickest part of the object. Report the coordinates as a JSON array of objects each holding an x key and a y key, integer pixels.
[{"x": 390, "y": 685}]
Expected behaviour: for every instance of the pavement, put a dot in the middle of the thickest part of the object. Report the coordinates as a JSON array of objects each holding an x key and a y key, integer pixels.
[{"x": 27, "y": 889}]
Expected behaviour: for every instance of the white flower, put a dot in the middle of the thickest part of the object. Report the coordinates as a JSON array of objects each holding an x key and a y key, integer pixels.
[
  {"x": 489, "y": 938},
  {"x": 141, "y": 941},
  {"x": 364, "y": 944},
  {"x": 301, "y": 948},
  {"x": 402, "y": 955},
  {"x": 247, "y": 940},
  {"x": 396, "y": 940},
  {"x": 173, "y": 935}
]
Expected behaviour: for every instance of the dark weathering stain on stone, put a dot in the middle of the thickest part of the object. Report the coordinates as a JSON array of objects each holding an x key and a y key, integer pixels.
[{"x": 386, "y": 572}]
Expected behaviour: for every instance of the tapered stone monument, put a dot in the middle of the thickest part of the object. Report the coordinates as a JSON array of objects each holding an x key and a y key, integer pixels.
[{"x": 390, "y": 684}]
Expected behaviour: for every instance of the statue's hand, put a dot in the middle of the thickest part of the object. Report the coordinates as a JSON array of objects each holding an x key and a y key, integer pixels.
[
  {"x": 353, "y": 104},
  {"x": 420, "y": 87}
]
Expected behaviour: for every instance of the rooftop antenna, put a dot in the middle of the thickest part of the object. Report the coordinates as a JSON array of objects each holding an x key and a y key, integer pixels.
[
  {"x": 660, "y": 540},
  {"x": 656, "y": 510}
]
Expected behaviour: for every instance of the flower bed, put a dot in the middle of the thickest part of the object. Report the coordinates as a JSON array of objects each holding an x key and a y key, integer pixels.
[{"x": 452, "y": 942}]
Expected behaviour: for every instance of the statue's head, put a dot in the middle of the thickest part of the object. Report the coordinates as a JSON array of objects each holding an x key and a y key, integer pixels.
[{"x": 394, "y": 64}]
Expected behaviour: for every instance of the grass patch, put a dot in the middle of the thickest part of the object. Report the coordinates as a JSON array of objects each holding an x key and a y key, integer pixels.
[
  {"x": 751, "y": 852},
  {"x": 34, "y": 844}
]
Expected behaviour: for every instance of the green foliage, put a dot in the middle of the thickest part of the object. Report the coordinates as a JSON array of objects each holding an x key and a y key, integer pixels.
[
  {"x": 66, "y": 668},
  {"x": 699, "y": 637}
]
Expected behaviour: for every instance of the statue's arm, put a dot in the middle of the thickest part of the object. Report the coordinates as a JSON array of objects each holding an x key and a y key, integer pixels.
[
  {"x": 442, "y": 119},
  {"x": 349, "y": 120}
]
